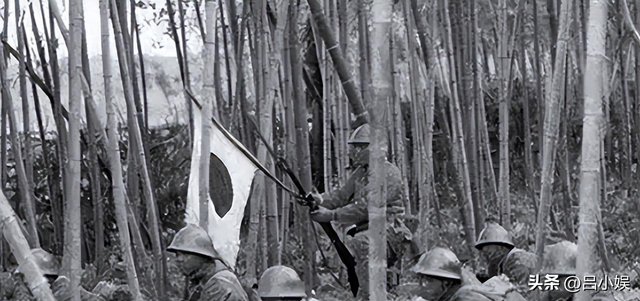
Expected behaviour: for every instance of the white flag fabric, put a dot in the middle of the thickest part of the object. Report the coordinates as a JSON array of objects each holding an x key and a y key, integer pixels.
[{"x": 231, "y": 174}]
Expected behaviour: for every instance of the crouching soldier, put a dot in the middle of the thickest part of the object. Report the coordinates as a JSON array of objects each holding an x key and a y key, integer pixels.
[
  {"x": 281, "y": 283},
  {"x": 210, "y": 277},
  {"x": 497, "y": 249},
  {"x": 442, "y": 278}
]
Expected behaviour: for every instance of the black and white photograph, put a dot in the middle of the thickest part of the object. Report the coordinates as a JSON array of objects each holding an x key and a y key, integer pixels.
[{"x": 320, "y": 150}]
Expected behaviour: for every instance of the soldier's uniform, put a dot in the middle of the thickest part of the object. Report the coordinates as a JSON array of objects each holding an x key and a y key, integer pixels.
[
  {"x": 213, "y": 283},
  {"x": 349, "y": 205},
  {"x": 281, "y": 283},
  {"x": 517, "y": 264},
  {"x": 210, "y": 282}
]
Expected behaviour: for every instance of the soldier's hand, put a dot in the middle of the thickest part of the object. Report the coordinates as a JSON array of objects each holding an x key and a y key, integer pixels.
[
  {"x": 322, "y": 215},
  {"x": 60, "y": 288}
]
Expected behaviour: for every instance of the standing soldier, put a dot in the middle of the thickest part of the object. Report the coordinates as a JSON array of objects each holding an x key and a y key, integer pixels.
[
  {"x": 497, "y": 249},
  {"x": 281, "y": 283},
  {"x": 348, "y": 205},
  {"x": 210, "y": 277}
]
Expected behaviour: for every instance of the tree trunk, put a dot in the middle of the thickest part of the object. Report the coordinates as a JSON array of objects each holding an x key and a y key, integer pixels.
[
  {"x": 114, "y": 159},
  {"x": 553, "y": 22},
  {"x": 382, "y": 11},
  {"x": 479, "y": 207},
  {"x": 20, "y": 248},
  {"x": 302, "y": 140},
  {"x": 539, "y": 96},
  {"x": 158, "y": 253},
  {"x": 208, "y": 107},
  {"x": 589, "y": 216},
  {"x": 505, "y": 202},
  {"x": 73, "y": 222},
  {"x": 637, "y": 97},
  {"x": 26, "y": 120},
  {"x": 271, "y": 89},
  {"x": 143, "y": 77},
  {"x": 552, "y": 119},
  {"x": 258, "y": 182},
  {"x": 528, "y": 159},
  {"x": 342, "y": 66},
  {"x": 23, "y": 182},
  {"x": 457, "y": 139},
  {"x": 56, "y": 195}
]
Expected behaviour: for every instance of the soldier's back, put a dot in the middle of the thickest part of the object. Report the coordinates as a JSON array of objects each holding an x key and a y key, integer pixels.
[
  {"x": 223, "y": 286},
  {"x": 518, "y": 265}
]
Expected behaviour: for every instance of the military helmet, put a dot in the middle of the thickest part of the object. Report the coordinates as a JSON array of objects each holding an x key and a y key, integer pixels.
[
  {"x": 193, "y": 239},
  {"x": 360, "y": 135},
  {"x": 439, "y": 262},
  {"x": 48, "y": 264},
  {"x": 560, "y": 259},
  {"x": 281, "y": 282},
  {"x": 494, "y": 234}
]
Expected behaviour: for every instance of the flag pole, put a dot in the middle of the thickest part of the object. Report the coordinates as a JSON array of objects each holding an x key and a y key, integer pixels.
[{"x": 345, "y": 256}]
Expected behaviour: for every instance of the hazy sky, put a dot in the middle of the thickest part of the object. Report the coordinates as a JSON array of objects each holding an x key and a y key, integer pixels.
[{"x": 153, "y": 41}]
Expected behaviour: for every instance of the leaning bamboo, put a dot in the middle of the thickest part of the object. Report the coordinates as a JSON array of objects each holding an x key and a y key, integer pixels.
[
  {"x": 9, "y": 223},
  {"x": 342, "y": 66}
]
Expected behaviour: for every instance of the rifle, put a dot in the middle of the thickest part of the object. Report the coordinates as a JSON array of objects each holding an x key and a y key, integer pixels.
[
  {"x": 344, "y": 254},
  {"x": 305, "y": 198}
]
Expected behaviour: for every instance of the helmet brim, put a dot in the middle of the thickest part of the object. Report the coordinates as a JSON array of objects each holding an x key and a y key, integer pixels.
[
  {"x": 441, "y": 275},
  {"x": 482, "y": 244},
  {"x": 191, "y": 252}
]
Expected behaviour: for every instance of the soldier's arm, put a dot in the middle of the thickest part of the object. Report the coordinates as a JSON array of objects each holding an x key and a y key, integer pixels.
[
  {"x": 224, "y": 289},
  {"x": 341, "y": 196},
  {"x": 519, "y": 265},
  {"x": 355, "y": 212}
]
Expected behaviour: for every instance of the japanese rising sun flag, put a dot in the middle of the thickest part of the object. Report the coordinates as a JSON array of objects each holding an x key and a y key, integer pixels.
[{"x": 230, "y": 175}]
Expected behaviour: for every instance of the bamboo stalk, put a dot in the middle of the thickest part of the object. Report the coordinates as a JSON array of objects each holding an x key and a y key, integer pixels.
[
  {"x": 539, "y": 96},
  {"x": 9, "y": 223},
  {"x": 302, "y": 152},
  {"x": 342, "y": 66},
  {"x": 227, "y": 63},
  {"x": 71, "y": 264},
  {"x": 551, "y": 132},
  {"x": 26, "y": 120},
  {"x": 589, "y": 230},
  {"x": 23, "y": 183},
  {"x": 143, "y": 76},
  {"x": 457, "y": 138},
  {"x": 148, "y": 192},
  {"x": 114, "y": 162}
]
